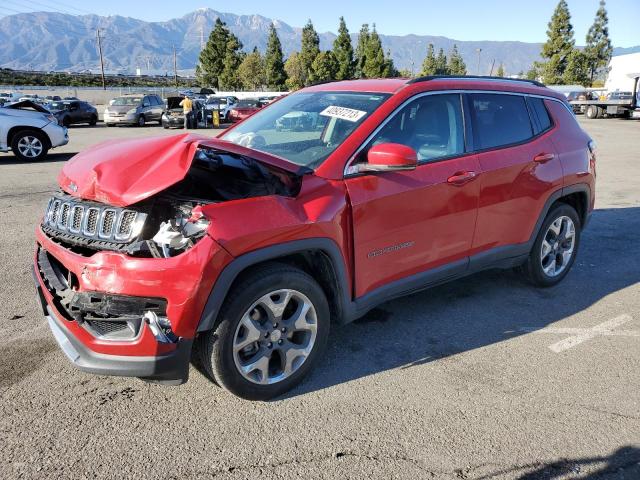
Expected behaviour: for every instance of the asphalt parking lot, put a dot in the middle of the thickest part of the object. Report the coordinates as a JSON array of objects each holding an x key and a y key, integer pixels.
[{"x": 483, "y": 378}]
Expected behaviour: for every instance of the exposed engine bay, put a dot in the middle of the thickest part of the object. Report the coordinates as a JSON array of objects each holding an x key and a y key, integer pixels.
[{"x": 171, "y": 221}]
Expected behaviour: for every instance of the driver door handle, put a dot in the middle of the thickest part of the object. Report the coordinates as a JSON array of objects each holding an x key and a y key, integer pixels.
[
  {"x": 460, "y": 178},
  {"x": 543, "y": 157}
]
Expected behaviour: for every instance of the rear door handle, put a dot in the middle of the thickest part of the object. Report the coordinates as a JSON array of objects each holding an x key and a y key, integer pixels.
[
  {"x": 543, "y": 157},
  {"x": 460, "y": 178}
]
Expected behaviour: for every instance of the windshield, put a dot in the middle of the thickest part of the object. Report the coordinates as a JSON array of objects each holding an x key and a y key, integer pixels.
[
  {"x": 59, "y": 105},
  {"x": 248, "y": 103},
  {"x": 126, "y": 101},
  {"x": 305, "y": 128},
  {"x": 216, "y": 101}
]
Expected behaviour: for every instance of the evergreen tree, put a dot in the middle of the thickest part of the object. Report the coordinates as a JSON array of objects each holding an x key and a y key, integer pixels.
[
  {"x": 361, "y": 48},
  {"x": 598, "y": 49},
  {"x": 375, "y": 65},
  {"x": 559, "y": 44},
  {"x": 211, "y": 61},
  {"x": 251, "y": 71},
  {"x": 229, "y": 78},
  {"x": 343, "y": 53},
  {"x": 441, "y": 63},
  {"x": 577, "y": 71},
  {"x": 389, "y": 67},
  {"x": 324, "y": 68},
  {"x": 310, "y": 50},
  {"x": 532, "y": 73},
  {"x": 429, "y": 66},
  {"x": 456, "y": 65},
  {"x": 275, "y": 75},
  {"x": 500, "y": 71},
  {"x": 295, "y": 72}
]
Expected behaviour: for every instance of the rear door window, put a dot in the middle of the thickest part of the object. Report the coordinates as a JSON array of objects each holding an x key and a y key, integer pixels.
[{"x": 499, "y": 120}]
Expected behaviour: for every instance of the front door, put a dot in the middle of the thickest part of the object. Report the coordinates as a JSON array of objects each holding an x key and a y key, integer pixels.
[{"x": 409, "y": 222}]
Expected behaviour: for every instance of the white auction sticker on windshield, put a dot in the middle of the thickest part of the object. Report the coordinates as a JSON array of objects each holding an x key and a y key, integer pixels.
[{"x": 343, "y": 113}]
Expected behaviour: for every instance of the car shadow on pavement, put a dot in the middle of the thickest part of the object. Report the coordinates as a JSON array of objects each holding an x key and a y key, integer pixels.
[
  {"x": 622, "y": 464},
  {"x": 50, "y": 158},
  {"x": 482, "y": 309}
]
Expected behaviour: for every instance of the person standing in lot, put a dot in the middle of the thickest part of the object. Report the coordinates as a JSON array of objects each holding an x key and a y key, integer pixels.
[{"x": 187, "y": 109}]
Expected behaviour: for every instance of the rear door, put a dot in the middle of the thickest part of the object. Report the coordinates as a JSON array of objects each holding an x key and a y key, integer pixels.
[
  {"x": 408, "y": 222},
  {"x": 519, "y": 168}
]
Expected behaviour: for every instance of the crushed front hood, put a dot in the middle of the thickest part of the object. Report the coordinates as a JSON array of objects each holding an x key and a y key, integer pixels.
[{"x": 124, "y": 172}]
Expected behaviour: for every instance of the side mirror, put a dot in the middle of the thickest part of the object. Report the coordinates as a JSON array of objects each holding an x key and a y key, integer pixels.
[{"x": 389, "y": 157}]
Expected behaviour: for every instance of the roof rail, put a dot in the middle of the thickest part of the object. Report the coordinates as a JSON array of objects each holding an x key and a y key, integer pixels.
[{"x": 474, "y": 77}]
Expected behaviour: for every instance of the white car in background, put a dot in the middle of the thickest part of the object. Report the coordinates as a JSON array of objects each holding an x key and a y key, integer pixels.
[{"x": 30, "y": 131}]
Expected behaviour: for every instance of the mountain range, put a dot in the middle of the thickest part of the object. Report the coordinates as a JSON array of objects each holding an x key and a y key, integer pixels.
[{"x": 62, "y": 42}]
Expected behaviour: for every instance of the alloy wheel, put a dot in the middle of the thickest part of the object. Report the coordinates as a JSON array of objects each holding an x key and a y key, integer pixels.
[
  {"x": 275, "y": 336},
  {"x": 558, "y": 246},
  {"x": 30, "y": 146}
]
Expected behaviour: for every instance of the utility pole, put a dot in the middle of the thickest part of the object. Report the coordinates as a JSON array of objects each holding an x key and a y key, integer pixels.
[
  {"x": 175, "y": 67},
  {"x": 493, "y": 64},
  {"x": 104, "y": 85},
  {"x": 479, "y": 50}
]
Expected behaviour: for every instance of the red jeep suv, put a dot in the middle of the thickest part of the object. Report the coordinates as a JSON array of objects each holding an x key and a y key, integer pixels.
[{"x": 245, "y": 248}]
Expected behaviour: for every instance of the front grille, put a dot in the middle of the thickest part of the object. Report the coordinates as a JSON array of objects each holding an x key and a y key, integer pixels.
[{"x": 84, "y": 220}]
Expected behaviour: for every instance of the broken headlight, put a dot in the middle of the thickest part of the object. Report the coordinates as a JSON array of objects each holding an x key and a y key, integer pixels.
[{"x": 180, "y": 232}]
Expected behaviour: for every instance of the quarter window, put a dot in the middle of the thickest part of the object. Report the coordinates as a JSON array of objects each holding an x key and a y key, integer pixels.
[
  {"x": 499, "y": 120},
  {"x": 432, "y": 125},
  {"x": 541, "y": 113}
]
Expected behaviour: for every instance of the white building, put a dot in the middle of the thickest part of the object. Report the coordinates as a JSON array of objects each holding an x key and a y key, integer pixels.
[{"x": 622, "y": 70}]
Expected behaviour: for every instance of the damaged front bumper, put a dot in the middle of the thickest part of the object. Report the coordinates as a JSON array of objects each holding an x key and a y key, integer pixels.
[{"x": 117, "y": 315}]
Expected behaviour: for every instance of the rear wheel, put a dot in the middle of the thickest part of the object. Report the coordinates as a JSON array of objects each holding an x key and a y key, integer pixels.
[
  {"x": 272, "y": 328},
  {"x": 66, "y": 122},
  {"x": 93, "y": 120},
  {"x": 591, "y": 112},
  {"x": 30, "y": 145},
  {"x": 555, "y": 248}
]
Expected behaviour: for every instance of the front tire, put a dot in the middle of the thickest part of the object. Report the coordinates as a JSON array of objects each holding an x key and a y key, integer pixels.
[
  {"x": 141, "y": 121},
  {"x": 30, "y": 145},
  {"x": 271, "y": 330},
  {"x": 93, "y": 121},
  {"x": 555, "y": 248}
]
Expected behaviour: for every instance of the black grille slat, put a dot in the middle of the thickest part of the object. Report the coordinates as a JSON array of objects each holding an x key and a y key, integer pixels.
[
  {"x": 106, "y": 228},
  {"x": 93, "y": 214},
  {"x": 64, "y": 215},
  {"x": 124, "y": 229}
]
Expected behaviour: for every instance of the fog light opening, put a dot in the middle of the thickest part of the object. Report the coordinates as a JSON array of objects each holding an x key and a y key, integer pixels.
[{"x": 160, "y": 327}]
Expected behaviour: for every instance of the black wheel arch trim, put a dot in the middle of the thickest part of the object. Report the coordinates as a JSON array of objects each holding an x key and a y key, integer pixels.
[
  {"x": 273, "y": 252},
  {"x": 349, "y": 308}
]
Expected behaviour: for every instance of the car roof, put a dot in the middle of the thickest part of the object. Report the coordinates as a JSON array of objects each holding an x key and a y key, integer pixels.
[{"x": 394, "y": 85}]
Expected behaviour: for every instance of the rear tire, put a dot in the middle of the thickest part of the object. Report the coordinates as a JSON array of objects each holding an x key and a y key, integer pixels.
[
  {"x": 30, "y": 145},
  {"x": 271, "y": 330},
  {"x": 591, "y": 112},
  {"x": 93, "y": 121},
  {"x": 555, "y": 248}
]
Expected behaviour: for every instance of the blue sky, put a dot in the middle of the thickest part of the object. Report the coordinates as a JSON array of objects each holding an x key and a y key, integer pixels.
[{"x": 458, "y": 19}]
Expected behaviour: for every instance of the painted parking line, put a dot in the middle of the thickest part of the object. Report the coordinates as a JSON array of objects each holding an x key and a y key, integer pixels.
[{"x": 581, "y": 335}]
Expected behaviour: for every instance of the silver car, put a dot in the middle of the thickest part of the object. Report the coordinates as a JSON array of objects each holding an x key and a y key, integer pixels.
[
  {"x": 134, "y": 110},
  {"x": 30, "y": 131}
]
